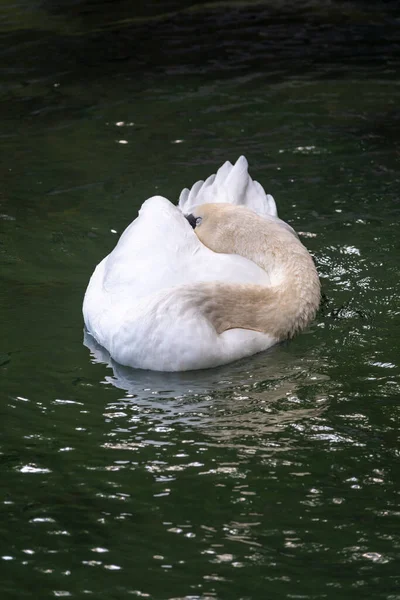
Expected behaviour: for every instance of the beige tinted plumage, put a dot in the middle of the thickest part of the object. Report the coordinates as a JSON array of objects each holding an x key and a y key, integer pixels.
[{"x": 292, "y": 299}]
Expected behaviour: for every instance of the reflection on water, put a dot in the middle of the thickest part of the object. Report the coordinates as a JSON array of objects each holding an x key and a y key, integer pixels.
[
  {"x": 252, "y": 396},
  {"x": 244, "y": 374}
]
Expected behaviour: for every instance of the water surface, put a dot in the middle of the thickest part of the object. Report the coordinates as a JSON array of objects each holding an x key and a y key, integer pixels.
[{"x": 275, "y": 477}]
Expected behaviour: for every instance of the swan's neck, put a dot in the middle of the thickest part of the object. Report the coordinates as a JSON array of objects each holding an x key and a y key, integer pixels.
[{"x": 283, "y": 308}]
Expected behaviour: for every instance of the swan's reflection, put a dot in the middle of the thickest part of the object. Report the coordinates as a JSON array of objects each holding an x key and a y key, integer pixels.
[
  {"x": 142, "y": 384},
  {"x": 240, "y": 398}
]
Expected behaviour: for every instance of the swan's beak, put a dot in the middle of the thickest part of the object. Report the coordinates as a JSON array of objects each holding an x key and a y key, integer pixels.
[{"x": 192, "y": 220}]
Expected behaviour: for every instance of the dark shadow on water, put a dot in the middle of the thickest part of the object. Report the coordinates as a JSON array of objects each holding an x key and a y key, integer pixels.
[{"x": 91, "y": 40}]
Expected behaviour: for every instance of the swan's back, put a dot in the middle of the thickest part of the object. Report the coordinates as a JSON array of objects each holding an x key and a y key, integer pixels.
[{"x": 231, "y": 184}]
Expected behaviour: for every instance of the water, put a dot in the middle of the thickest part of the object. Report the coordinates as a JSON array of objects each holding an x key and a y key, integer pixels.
[{"x": 275, "y": 477}]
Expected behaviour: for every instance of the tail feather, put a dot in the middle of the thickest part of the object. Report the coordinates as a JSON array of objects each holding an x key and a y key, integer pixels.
[
  {"x": 183, "y": 198},
  {"x": 209, "y": 181},
  {"x": 195, "y": 191},
  {"x": 223, "y": 172},
  {"x": 233, "y": 184},
  {"x": 237, "y": 182}
]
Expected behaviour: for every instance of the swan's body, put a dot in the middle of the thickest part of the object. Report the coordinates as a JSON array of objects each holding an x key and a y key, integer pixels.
[{"x": 167, "y": 299}]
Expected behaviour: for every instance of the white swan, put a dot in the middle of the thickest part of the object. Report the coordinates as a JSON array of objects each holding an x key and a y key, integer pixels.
[{"x": 228, "y": 280}]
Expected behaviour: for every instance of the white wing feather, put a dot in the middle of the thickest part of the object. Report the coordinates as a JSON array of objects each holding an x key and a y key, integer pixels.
[{"x": 233, "y": 184}]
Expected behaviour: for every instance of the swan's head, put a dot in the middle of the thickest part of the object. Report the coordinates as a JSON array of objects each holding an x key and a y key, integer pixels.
[
  {"x": 233, "y": 229},
  {"x": 230, "y": 228},
  {"x": 219, "y": 226}
]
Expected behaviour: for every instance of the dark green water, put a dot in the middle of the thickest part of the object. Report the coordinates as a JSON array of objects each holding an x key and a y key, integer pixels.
[{"x": 273, "y": 478}]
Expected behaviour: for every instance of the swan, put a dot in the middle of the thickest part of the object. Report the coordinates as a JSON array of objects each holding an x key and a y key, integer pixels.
[{"x": 214, "y": 279}]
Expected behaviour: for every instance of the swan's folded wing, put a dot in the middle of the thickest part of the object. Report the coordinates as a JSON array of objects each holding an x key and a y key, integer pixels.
[
  {"x": 233, "y": 184},
  {"x": 160, "y": 250},
  {"x": 152, "y": 252}
]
